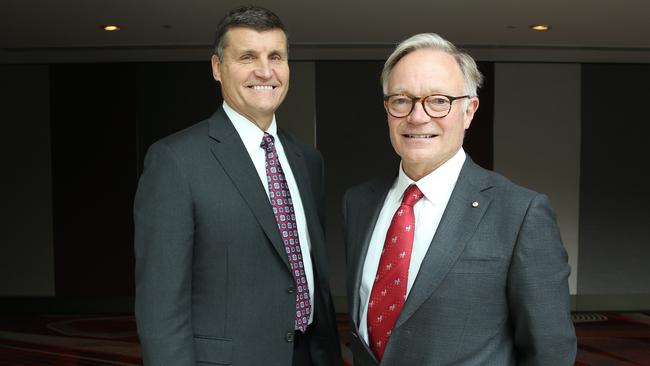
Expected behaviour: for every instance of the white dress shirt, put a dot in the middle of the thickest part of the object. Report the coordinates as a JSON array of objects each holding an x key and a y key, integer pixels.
[
  {"x": 436, "y": 187},
  {"x": 251, "y": 135}
]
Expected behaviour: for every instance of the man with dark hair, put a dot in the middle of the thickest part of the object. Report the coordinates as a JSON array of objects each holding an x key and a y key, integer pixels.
[
  {"x": 229, "y": 243},
  {"x": 448, "y": 263}
]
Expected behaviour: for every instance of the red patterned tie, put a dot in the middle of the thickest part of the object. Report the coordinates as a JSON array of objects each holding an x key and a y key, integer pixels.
[
  {"x": 389, "y": 290},
  {"x": 286, "y": 218}
]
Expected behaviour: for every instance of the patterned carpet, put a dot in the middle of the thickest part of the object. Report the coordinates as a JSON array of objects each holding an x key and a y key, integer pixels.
[
  {"x": 604, "y": 339},
  {"x": 611, "y": 338}
]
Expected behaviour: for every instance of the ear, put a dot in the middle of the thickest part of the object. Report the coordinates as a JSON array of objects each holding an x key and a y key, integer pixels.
[
  {"x": 469, "y": 112},
  {"x": 216, "y": 68}
]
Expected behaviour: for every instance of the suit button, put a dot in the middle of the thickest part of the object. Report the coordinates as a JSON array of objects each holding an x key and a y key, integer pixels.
[
  {"x": 291, "y": 289},
  {"x": 289, "y": 337}
]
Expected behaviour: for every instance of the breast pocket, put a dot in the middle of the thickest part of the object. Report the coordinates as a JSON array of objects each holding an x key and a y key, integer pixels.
[
  {"x": 486, "y": 265},
  {"x": 478, "y": 281},
  {"x": 212, "y": 350}
]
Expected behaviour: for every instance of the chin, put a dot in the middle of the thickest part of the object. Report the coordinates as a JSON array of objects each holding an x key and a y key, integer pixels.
[
  {"x": 418, "y": 157},
  {"x": 266, "y": 107}
]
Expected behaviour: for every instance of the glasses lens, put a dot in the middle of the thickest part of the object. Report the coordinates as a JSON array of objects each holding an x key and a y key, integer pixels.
[
  {"x": 399, "y": 105},
  {"x": 437, "y": 105}
]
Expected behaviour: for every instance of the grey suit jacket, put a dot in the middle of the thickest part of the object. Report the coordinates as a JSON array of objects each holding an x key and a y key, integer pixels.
[
  {"x": 213, "y": 285},
  {"x": 492, "y": 288}
]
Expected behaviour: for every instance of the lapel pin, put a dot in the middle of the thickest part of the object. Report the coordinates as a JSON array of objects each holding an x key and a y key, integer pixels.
[{"x": 475, "y": 204}]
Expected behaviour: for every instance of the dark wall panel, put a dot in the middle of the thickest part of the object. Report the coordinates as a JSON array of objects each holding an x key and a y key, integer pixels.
[
  {"x": 93, "y": 175},
  {"x": 352, "y": 135},
  {"x": 614, "y": 200},
  {"x": 26, "y": 249},
  {"x": 104, "y": 117},
  {"x": 170, "y": 97},
  {"x": 479, "y": 139}
]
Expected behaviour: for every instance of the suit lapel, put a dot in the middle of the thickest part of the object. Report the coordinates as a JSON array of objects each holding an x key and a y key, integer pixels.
[
  {"x": 301, "y": 174},
  {"x": 456, "y": 227},
  {"x": 370, "y": 206},
  {"x": 230, "y": 152}
]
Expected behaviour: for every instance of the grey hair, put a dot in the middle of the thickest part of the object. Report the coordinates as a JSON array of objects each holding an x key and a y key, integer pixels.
[
  {"x": 473, "y": 79},
  {"x": 249, "y": 16}
]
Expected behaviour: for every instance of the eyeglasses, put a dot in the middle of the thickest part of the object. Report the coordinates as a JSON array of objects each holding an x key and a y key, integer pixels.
[{"x": 435, "y": 105}]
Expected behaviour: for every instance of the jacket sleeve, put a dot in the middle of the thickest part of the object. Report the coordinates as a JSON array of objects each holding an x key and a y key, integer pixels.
[
  {"x": 163, "y": 252},
  {"x": 538, "y": 293}
]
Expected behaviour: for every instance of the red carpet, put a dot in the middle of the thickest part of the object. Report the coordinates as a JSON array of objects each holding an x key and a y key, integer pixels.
[{"x": 604, "y": 339}]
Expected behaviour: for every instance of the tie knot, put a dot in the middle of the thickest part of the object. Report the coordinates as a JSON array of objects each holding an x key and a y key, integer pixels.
[
  {"x": 412, "y": 194},
  {"x": 267, "y": 141}
]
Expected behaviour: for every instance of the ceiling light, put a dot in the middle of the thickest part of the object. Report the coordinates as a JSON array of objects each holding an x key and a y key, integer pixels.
[
  {"x": 540, "y": 27},
  {"x": 111, "y": 28}
]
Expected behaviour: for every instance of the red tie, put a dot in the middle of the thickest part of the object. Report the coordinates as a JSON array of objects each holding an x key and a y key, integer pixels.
[{"x": 389, "y": 290}]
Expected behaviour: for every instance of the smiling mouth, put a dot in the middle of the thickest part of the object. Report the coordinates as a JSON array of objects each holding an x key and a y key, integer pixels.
[
  {"x": 411, "y": 136},
  {"x": 262, "y": 87}
]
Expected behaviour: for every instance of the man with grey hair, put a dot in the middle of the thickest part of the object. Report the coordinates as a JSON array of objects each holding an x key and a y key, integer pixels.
[
  {"x": 449, "y": 263},
  {"x": 229, "y": 243}
]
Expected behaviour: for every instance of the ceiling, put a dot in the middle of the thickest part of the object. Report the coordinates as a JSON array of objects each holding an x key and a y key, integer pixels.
[{"x": 164, "y": 30}]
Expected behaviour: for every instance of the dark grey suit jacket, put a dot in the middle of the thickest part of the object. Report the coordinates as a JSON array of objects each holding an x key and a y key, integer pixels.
[
  {"x": 213, "y": 285},
  {"x": 492, "y": 288}
]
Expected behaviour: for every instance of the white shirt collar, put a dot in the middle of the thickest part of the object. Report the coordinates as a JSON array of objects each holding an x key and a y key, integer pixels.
[
  {"x": 437, "y": 185},
  {"x": 250, "y": 134}
]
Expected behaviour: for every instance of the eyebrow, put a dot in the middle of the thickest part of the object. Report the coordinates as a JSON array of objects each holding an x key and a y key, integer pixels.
[
  {"x": 246, "y": 51},
  {"x": 402, "y": 90},
  {"x": 257, "y": 52}
]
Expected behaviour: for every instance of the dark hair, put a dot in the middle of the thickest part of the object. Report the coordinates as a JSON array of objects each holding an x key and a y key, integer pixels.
[{"x": 248, "y": 16}]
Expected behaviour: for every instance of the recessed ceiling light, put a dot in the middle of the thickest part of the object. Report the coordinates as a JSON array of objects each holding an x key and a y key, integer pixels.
[
  {"x": 540, "y": 27},
  {"x": 111, "y": 27}
]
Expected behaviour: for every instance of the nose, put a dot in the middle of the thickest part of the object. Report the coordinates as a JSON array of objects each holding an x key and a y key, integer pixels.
[
  {"x": 263, "y": 69},
  {"x": 418, "y": 115}
]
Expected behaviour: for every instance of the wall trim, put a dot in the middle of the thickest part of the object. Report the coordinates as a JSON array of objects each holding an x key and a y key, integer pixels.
[{"x": 54, "y": 305}]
